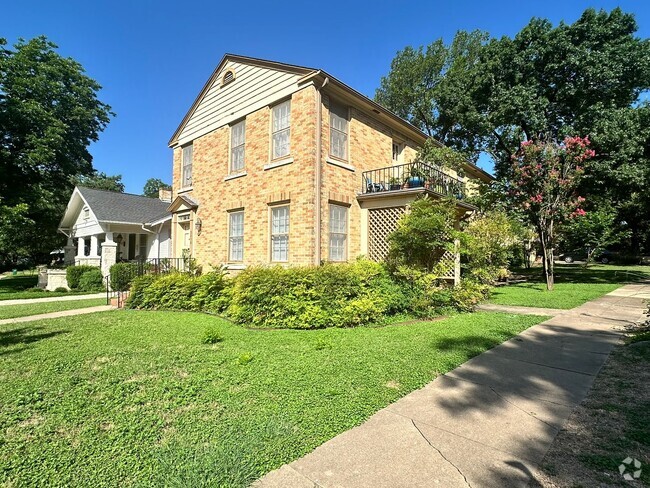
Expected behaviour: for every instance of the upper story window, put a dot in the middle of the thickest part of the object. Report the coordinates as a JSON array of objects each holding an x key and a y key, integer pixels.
[
  {"x": 280, "y": 233},
  {"x": 281, "y": 130},
  {"x": 339, "y": 131},
  {"x": 236, "y": 236},
  {"x": 227, "y": 77},
  {"x": 237, "y": 145},
  {"x": 397, "y": 151},
  {"x": 338, "y": 247},
  {"x": 186, "y": 173},
  {"x": 86, "y": 213}
]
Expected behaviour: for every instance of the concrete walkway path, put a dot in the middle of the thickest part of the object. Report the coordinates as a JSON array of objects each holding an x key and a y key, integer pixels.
[
  {"x": 55, "y": 315},
  {"x": 487, "y": 423},
  {"x": 492, "y": 307},
  {"x": 64, "y": 298}
]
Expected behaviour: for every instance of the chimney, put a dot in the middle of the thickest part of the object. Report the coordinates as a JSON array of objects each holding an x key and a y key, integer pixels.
[{"x": 165, "y": 195}]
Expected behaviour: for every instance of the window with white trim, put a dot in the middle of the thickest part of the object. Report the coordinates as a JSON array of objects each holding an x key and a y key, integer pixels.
[
  {"x": 397, "y": 151},
  {"x": 280, "y": 233},
  {"x": 142, "y": 247},
  {"x": 86, "y": 213},
  {"x": 281, "y": 129},
  {"x": 186, "y": 175},
  {"x": 338, "y": 245},
  {"x": 236, "y": 236},
  {"x": 237, "y": 145},
  {"x": 339, "y": 131}
]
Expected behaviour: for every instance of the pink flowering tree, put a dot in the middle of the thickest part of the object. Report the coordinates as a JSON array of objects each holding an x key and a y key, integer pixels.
[{"x": 543, "y": 186}]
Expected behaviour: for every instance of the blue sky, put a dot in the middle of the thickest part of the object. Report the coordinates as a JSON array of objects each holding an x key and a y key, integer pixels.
[{"x": 153, "y": 57}]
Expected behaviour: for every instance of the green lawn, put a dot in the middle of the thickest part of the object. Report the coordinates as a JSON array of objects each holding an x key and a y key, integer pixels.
[
  {"x": 128, "y": 398},
  {"x": 574, "y": 285},
  {"x": 11, "y": 311},
  {"x": 21, "y": 286}
]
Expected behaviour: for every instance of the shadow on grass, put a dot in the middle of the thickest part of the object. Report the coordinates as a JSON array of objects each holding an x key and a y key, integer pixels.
[
  {"x": 578, "y": 273},
  {"x": 24, "y": 335},
  {"x": 17, "y": 283}
]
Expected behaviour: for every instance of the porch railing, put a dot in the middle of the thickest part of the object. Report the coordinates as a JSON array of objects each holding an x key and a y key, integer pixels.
[
  {"x": 412, "y": 175},
  {"x": 154, "y": 266}
]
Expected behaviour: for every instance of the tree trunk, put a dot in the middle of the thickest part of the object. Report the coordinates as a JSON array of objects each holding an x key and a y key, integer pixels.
[{"x": 547, "y": 253}]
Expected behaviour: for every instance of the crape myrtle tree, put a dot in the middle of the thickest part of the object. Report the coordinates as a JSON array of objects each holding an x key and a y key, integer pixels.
[
  {"x": 49, "y": 115},
  {"x": 479, "y": 94},
  {"x": 544, "y": 181}
]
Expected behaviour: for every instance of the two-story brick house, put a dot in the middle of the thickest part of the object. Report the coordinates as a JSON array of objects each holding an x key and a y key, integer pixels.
[{"x": 276, "y": 163}]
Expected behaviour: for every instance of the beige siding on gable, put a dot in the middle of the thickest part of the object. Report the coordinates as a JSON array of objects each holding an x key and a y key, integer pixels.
[{"x": 253, "y": 88}]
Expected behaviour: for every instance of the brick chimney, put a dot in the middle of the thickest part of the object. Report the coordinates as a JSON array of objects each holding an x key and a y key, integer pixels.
[{"x": 165, "y": 195}]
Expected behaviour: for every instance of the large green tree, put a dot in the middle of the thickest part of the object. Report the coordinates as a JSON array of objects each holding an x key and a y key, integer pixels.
[
  {"x": 479, "y": 94},
  {"x": 100, "y": 181},
  {"x": 152, "y": 185},
  {"x": 49, "y": 114}
]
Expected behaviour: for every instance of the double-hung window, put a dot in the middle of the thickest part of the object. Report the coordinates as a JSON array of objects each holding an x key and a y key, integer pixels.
[
  {"x": 236, "y": 236},
  {"x": 339, "y": 132},
  {"x": 280, "y": 233},
  {"x": 338, "y": 233},
  {"x": 281, "y": 129},
  {"x": 186, "y": 175},
  {"x": 237, "y": 144}
]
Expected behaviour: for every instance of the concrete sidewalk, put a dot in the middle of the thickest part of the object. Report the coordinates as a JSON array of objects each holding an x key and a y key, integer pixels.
[
  {"x": 489, "y": 422},
  {"x": 64, "y": 298},
  {"x": 492, "y": 307},
  {"x": 56, "y": 315}
]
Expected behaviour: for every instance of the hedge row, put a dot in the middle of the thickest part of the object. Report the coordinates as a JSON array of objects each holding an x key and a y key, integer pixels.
[
  {"x": 332, "y": 295},
  {"x": 84, "y": 278}
]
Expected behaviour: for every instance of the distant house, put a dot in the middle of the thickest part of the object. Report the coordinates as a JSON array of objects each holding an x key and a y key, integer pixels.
[
  {"x": 104, "y": 227},
  {"x": 283, "y": 164}
]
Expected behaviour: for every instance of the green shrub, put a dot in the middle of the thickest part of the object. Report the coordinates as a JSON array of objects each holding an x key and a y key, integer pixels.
[
  {"x": 211, "y": 336},
  {"x": 91, "y": 280},
  {"x": 139, "y": 287},
  {"x": 210, "y": 295},
  {"x": 35, "y": 289},
  {"x": 61, "y": 289},
  {"x": 245, "y": 358},
  {"x": 332, "y": 295},
  {"x": 122, "y": 274},
  {"x": 74, "y": 274}
]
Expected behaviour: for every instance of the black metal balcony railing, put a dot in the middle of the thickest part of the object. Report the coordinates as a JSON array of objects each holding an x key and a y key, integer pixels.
[{"x": 412, "y": 175}]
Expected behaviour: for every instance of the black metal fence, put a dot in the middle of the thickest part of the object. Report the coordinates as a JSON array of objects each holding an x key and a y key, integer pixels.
[
  {"x": 412, "y": 175},
  {"x": 117, "y": 286}
]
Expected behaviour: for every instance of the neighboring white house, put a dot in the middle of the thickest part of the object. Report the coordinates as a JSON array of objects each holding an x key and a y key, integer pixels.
[{"x": 104, "y": 227}]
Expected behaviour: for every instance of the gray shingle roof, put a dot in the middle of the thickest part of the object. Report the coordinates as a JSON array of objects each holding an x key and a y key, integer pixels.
[{"x": 110, "y": 206}]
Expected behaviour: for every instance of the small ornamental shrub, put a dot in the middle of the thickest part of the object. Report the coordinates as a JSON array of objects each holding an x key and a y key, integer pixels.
[
  {"x": 73, "y": 274},
  {"x": 139, "y": 287},
  {"x": 245, "y": 358},
  {"x": 35, "y": 289},
  {"x": 91, "y": 280},
  {"x": 61, "y": 289},
  {"x": 211, "y": 336},
  {"x": 122, "y": 274}
]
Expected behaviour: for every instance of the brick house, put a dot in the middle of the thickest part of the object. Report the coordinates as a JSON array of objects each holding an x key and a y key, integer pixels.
[{"x": 276, "y": 163}]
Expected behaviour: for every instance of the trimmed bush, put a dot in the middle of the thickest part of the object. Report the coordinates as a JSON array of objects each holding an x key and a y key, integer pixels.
[
  {"x": 139, "y": 287},
  {"x": 91, "y": 280},
  {"x": 74, "y": 274},
  {"x": 122, "y": 274},
  {"x": 61, "y": 289}
]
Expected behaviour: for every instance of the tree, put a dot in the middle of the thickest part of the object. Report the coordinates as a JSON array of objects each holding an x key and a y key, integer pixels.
[
  {"x": 49, "y": 114},
  {"x": 424, "y": 234},
  {"x": 545, "y": 83},
  {"x": 100, "y": 181},
  {"x": 544, "y": 182},
  {"x": 595, "y": 231},
  {"x": 152, "y": 186}
]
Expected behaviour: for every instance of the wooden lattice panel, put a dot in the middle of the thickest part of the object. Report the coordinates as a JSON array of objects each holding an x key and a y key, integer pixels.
[
  {"x": 447, "y": 265},
  {"x": 381, "y": 223}
]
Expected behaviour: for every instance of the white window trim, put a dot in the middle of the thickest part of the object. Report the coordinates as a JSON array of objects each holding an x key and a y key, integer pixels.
[
  {"x": 347, "y": 134},
  {"x": 277, "y": 163},
  {"x": 346, "y": 234},
  {"x": 272, "y": 157},
  {"x": 234, "y": 176},
  {"x": 183, "y": 185},
  {"x": 230, "y": 236},
  {"x": 230, "y": 149},
  {"x": 271, "y": 209},
  {"x": 340, "y": 164}
]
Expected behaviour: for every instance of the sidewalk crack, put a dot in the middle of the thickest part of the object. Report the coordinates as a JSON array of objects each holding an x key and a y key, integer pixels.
[
  {"x": 440, "y": 452},
  {"x": 525, "y": 411}
]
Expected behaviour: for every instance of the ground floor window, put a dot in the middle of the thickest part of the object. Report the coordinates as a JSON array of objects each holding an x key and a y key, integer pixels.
[
  {"x": 236, "y": 236},
  {"x": 280, "y": 233},
  {"x": 338, "y": 241}
]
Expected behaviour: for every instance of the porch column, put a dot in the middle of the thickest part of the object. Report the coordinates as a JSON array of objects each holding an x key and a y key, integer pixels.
[
  {"x": 81, "y": 244},
  {"x": 68, "y": 252},
  {"x": 93, "y": 246},
  {"x": 109, "y": 254}
]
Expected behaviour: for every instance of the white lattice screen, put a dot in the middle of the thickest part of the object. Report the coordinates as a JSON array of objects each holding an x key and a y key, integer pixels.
[{"x": 381, "y": 223}]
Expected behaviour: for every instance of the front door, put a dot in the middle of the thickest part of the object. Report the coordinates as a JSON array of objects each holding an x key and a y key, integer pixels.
[{"x": 132, "y": 248}]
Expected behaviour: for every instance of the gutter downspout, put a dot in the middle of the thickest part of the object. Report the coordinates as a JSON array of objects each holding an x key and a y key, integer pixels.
[{"x": 317, "y": 174}]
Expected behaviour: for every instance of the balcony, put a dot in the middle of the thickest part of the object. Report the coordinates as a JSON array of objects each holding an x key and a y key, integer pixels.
[{"x": 413, "y": 177}]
